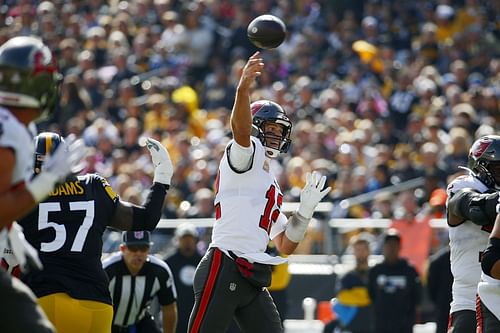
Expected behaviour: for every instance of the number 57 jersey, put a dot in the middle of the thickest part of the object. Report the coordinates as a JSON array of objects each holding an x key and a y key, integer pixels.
[
  {"x": 67, "y": 231},
  {"x": 247, "y": 206}
]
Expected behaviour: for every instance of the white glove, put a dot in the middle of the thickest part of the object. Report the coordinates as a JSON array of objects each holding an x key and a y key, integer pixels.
[
  {"x": 66, "y": 159},
  {"x": 312, "y": 193},
  {"x": 25, "y": 254},
  {"x": 161, "y": 160}
]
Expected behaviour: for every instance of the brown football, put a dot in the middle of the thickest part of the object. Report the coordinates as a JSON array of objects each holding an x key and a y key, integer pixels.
[{"x": 266, "y": 31}]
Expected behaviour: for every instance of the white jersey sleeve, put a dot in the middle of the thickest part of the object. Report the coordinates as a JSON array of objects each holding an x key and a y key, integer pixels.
[
  {"x": 17, "y": 137},
  {"x": 248, "y": 208},
  {"x": 467, "y": 241},
  {"x": 240, "y": 157}
]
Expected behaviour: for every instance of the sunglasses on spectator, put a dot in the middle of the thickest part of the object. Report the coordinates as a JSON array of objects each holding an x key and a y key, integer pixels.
[{"x": 135, "y": 248}]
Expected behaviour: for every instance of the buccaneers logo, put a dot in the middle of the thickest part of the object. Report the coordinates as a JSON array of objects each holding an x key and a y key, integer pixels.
[{"x": 481, "y": 147}]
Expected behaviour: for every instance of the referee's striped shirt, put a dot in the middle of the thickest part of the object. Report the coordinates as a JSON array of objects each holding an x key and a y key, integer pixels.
[{"x": 132, "y": 295}]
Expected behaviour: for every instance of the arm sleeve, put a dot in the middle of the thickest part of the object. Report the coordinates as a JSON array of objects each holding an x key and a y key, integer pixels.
[
  {"x": 491, "y": 255},
  {"x": 480, "y": 208},
  {"x": 146, "y": 217},
  {"x": 239, "y": 157}
]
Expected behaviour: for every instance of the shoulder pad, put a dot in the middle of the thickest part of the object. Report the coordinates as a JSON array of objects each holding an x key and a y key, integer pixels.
[
  {"x": 105, "y": 185},
  {"x": 465, "y": 181},
  {"x": 12, "y": 133}
]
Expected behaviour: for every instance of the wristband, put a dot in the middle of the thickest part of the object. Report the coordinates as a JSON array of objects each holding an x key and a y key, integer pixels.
[{"x": 296, "y": 227}]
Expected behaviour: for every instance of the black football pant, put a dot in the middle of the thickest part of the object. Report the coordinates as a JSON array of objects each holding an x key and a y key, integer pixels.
[
  {"x": 221, "y": 293},
  {"x": 486, "y": 321},
  {"x": 463, "y": 321},
  {"x": 19, "y": 310}
]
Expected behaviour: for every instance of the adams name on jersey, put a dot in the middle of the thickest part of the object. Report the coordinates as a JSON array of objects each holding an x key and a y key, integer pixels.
[{"x": 67, "y": 231}]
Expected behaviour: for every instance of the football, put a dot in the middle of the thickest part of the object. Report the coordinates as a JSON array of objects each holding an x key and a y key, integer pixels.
[{"x": 266, "y": 31}]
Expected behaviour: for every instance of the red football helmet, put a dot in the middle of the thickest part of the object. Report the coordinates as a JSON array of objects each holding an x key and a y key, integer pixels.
[
  {"x": 484, "y": 160},
  {"x": 264, "y": 112}
]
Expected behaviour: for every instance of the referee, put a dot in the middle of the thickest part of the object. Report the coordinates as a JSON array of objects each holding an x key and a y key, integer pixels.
[{"x": 135, "y": 278}]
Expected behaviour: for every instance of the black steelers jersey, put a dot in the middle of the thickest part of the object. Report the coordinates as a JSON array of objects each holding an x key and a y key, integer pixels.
[{"x": 67, "y": 231}]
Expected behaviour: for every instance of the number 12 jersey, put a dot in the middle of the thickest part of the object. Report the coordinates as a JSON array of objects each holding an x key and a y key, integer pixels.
[{"x": 248, "y": 208}]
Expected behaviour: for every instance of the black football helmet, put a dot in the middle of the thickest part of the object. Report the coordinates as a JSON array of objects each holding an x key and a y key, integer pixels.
[
  {"x": 484, "y": 160},
  {"x": 28, "y": 74},
  {"x": 45, "y": 144},
  {"x": 263, "y": 112}
]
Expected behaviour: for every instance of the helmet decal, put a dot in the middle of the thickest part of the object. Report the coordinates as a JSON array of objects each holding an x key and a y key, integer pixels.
[{"x": 483, "y": 144}]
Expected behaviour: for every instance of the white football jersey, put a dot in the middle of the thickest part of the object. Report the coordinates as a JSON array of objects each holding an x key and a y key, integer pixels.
[
  {"x": 248, "y": 208},
  {"x": 16, "y": 136},
  {"x": 489, "y": 292},
  {"x": 467, "y": 242}
]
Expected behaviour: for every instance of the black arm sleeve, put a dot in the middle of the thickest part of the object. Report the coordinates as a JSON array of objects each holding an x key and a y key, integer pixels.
[
  {"x": 147, "y": 217},
  {"x": 490, "y": 256},
  {"x": 480, "y": 208}
]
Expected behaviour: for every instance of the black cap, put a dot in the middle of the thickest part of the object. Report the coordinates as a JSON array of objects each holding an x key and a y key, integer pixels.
[
  {"x": 393, "y": 234},
  {"x": 136, "y": 238}
]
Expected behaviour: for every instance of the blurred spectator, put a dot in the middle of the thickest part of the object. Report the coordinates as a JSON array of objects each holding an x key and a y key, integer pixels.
[
  {"x": 439, "y": 281},
  {"x": 157, "y": 115},
  {"x": 382, "y": 206},
  {"x": 395, "y": 289},
  {"x": 457, "y": 149},
  {"x": 352, "y": 305},
  {"x": 183, "y": 263}
]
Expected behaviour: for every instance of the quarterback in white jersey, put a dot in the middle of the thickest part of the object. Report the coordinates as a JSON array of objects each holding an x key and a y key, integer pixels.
[
  {"x": 471, "y": 213},
  {"x": 231, "y": 278}
]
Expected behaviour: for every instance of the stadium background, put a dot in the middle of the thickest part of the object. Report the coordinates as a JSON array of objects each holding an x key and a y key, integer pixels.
[{"x": 382, "y": 94}]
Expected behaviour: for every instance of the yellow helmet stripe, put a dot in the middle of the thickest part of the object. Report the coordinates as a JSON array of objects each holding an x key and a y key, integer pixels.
[{"x": 48, "y": 144}]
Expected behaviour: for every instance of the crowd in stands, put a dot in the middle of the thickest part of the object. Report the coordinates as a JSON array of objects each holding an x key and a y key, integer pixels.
[{"x": 379, "y": 91}]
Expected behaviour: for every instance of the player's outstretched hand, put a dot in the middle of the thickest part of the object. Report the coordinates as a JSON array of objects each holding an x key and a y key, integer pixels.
[
  {"x": 65, "y": 160},
  {"x": 253, "y": 68},
  {"x": 312, "y": 193},
  {"x": 161, "y": 160},
  {"x": 25, "y": 254}
]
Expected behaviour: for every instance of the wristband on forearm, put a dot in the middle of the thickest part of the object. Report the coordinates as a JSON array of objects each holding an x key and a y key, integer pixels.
[
  {"x": 491, "y": 255},
  {"x": 296, "y": 227}
]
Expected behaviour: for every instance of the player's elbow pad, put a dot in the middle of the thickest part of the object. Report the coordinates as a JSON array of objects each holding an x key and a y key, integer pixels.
[
  {"x": 490, "y": 256},
  {"x": 147, "y": 216},
  {"x": 480, "y": 208}
]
